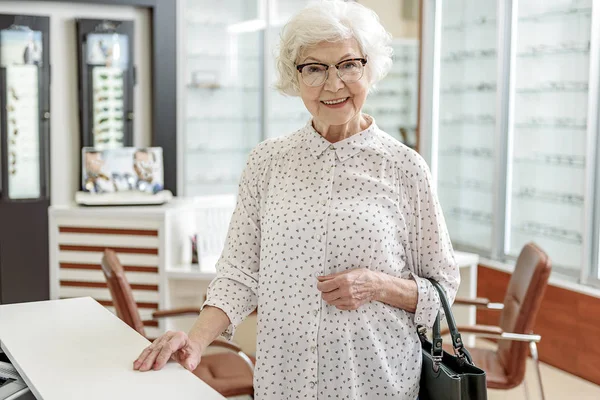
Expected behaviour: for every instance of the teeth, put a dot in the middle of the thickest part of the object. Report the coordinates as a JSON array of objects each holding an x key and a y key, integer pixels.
[{"x": 335, "y": 101}]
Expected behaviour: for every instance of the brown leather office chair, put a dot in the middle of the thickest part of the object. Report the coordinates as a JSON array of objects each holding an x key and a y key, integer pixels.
[
  {"x": 505, "y": 366},
  {"x": 230, "y": 373}
]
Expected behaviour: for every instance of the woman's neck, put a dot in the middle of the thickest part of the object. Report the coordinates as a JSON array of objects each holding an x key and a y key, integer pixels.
[{"x": 336, "y": 133}]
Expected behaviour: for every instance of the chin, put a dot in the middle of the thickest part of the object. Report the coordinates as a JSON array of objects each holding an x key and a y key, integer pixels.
[{"x": 338, "y": 117}]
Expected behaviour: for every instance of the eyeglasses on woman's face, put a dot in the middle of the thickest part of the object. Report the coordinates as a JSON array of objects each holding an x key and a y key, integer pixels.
[{"x": 349, "y": 71}]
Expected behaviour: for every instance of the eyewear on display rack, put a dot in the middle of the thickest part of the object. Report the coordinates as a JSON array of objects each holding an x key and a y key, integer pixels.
[
  {"x": 392, "y": 92},
  {"x": 466, "y": 55},
  {"x": 109, "y": 140},
  {"x": 474, "y": 23},
  {"x": 479, "y": 152},
  {"x": 562, "y": 48},
  {"x": 564, "y": 86},
  {"x": 466, "y": 88},
  {"x": 315, "y": 74},
  {"x": 563, "y": 123},
  {"x": 105, "y": 76},
  {"x": 472, "y": 215},
  {"x": 483, "y": 20},
  {"x": 108, "y": 128},
  {"x": 101, "y": 109},
  {"x": 549, "y": 196},
  {"x": 107, "y": 120},
  {"x": 400, "y": 74},
  {"x": 472, "y": 184},
  {"x": 385, "y": 111},
  {"x": 404, "y": 59},
  {"x": 469, "y": 119},
  {"x": 107, "y": 89},
  {"x": 550, "y": 231},
  {"x": 13, "y": 93},
  {"x": 568, "y": 12},
  {"x": 554, "y": 159}
]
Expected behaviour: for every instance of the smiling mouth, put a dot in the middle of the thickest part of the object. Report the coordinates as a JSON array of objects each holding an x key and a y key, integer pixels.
[{"x": 333, "y": 102}]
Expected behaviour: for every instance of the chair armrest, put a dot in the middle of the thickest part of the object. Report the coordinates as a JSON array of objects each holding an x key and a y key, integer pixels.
[
  {"x": 476, "y": 329},
  {"x": 479, "y": 302},
  {"x": 235, "y": 348},
  {"x": 495, "y": 332},
  {"x": 227, "y": 345},
  {"x": 176, "y": 312}
]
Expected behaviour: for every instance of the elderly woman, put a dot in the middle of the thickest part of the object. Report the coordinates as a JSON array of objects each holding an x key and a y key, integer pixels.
[{"x": 336, "y": 228}]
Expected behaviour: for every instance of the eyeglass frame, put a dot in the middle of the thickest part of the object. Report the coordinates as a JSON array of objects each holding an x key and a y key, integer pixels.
[{"x": 363, "y": 61}]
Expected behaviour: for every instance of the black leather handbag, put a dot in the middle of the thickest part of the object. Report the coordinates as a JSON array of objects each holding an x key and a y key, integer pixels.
[{"x": 443, "y": 375}]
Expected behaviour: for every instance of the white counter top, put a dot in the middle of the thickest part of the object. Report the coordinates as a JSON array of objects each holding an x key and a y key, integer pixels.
[{"x": 76, "y": 349}]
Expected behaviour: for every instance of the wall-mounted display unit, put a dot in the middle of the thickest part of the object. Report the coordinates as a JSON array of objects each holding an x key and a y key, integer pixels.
[
  {"x": 24, "y": 107},
  {"x": 106, "y": 81}
]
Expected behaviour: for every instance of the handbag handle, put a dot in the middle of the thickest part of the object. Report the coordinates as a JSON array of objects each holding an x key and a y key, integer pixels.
[{"x": 457, "y": 342}]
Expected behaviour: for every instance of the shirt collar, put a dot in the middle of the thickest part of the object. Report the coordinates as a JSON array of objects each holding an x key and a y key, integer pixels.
[{"x": 344, "y": 149}]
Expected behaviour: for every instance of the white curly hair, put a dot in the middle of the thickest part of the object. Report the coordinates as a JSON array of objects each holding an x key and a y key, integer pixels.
[{"x": 332, "y": 21}]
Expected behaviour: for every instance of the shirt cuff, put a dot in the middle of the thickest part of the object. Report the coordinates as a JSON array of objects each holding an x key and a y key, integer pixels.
[
  {"x": 236, "y": 312},
  {"x": 428, "y": 302}
]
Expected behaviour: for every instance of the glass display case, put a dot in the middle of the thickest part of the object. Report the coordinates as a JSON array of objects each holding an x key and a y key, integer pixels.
[
  {"x": 24, "y": 108},
  {"x": 516, "y": 146},
  {"x": 467, "y": 93},
  {"x": 550, "y": 128},
  {"x": 223, "y": 78}
]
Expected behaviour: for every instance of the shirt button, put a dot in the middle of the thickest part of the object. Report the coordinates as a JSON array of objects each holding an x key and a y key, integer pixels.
[
  {"x": 313, "y": 384},
  {"x": 313, "y": 348},
  {"x": 316, "y": 312},
  {"x": 324, "y": 202},
  {"x": 418, "y": 319},
  {"x": 331, "y": 147},
  {"x": 318, "y": 237}
]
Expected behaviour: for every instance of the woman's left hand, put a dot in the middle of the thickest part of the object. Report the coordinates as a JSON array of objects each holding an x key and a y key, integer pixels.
[{"x": 348, "y": 290}]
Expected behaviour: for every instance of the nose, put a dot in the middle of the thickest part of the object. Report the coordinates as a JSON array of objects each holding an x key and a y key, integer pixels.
[{"x": 333, "y": 82}]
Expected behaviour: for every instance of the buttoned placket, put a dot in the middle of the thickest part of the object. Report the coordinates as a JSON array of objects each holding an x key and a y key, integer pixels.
[{"x": 326, "y": 190}]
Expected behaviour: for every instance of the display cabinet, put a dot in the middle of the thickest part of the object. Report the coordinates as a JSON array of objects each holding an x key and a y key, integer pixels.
[{"x": 513, "y": 138}]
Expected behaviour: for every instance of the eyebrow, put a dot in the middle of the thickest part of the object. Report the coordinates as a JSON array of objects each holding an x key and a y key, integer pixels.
[{"x": 341, "y": 58}]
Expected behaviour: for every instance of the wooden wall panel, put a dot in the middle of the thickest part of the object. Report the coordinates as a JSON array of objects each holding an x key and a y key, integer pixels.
[{"x": 569, "y": 323}]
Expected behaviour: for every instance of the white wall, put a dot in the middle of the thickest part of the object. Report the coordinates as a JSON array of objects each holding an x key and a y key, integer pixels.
[
  {"x": 391, "y": 15},
  {"x": 65, "y": 144}
]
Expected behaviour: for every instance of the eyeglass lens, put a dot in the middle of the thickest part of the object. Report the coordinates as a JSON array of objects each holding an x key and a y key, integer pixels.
[{"x": 348, "y": 71}]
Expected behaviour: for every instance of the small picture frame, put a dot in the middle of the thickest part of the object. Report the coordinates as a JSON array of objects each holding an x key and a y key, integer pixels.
[{"x": 126, "y": 169}]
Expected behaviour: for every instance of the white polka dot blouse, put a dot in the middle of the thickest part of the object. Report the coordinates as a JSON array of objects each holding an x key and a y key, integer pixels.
[{"x": 307, "y": 207}]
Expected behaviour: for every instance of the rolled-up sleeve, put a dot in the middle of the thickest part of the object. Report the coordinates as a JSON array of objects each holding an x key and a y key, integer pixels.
[
  {"x": 431, "y": 251},
  {"x": 234, "y": 288}
]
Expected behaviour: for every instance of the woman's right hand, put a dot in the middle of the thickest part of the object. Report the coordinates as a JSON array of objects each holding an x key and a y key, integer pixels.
[{"x": 175, "y": 345}]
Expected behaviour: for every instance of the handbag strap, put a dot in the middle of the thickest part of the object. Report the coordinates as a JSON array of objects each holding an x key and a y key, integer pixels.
[{"x": 457, "y": 342}]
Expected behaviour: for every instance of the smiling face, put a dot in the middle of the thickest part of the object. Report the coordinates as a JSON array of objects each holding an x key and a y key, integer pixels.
[{"x": 351, "y": 95}]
